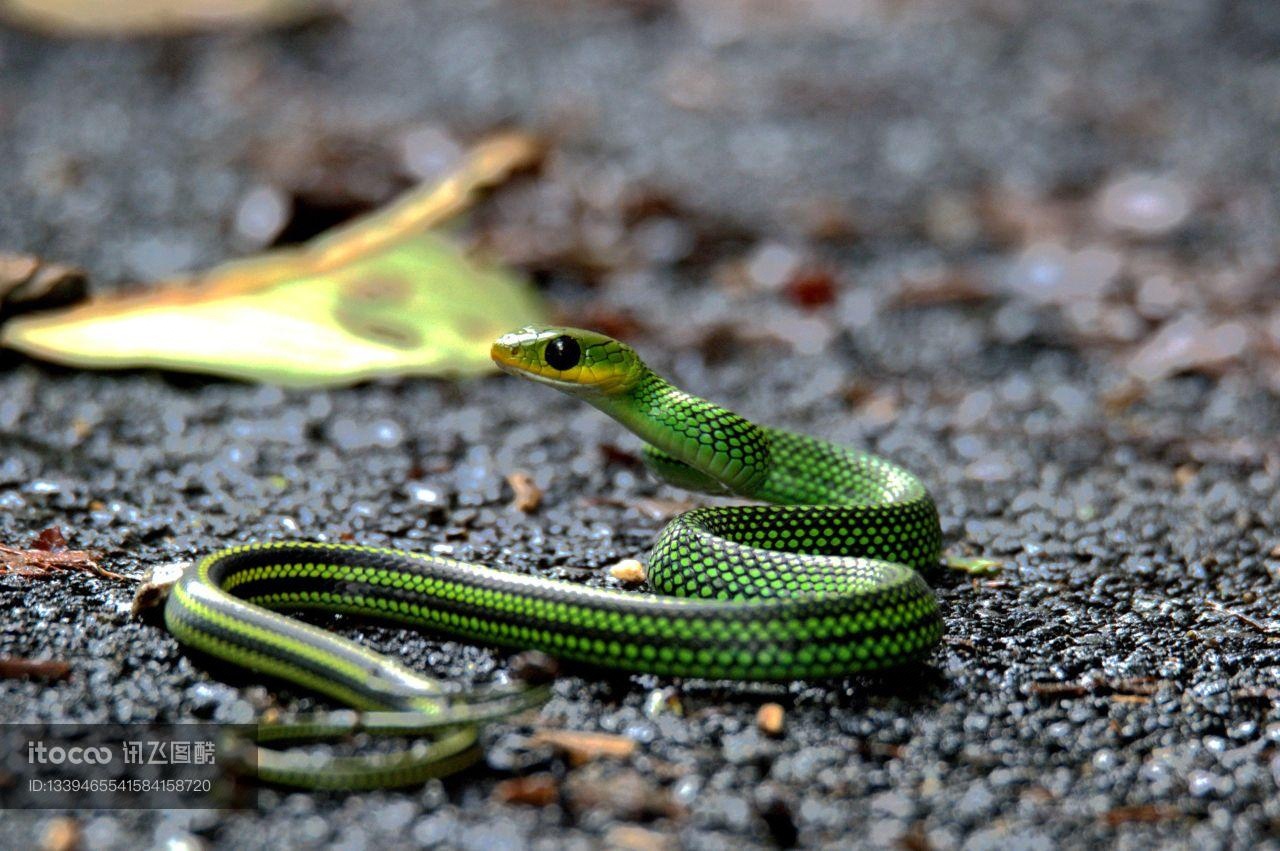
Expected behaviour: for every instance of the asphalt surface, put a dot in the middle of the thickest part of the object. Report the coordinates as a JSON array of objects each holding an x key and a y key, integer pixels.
[{"x": 906, "y": 230}]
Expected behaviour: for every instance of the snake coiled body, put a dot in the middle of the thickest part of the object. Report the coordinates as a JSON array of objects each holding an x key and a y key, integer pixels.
[{"x": 820, "y": 582}]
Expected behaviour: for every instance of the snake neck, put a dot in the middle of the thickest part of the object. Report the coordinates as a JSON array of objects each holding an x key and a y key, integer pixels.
[{"x": 693, "y": 431}]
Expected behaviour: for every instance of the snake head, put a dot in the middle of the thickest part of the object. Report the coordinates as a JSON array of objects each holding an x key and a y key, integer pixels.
[{"x": 582, "y": 363}]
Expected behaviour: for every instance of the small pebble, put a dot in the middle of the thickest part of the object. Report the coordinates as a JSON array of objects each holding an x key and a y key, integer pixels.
[
  {"x": 771, "y": 718},
  {"x": 1188, "y": 344},
  {"x": 1144, "y": 205},
  {"x": 261, "y": 216},
  {"x": 629, "y": 570},
  {"x": 771, "y": 265},
  {"x": 628, "y": 837},
  {"x": 61, "y": 834}
]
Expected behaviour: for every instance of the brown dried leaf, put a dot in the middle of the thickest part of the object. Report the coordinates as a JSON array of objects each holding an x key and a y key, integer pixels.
[
  {"x": 1189, "y": 344},
  {"x": 385, "y": 294},
  {"x": 48, "y": 555},
  {"x": 536, "y": 790},
  {"x": 528, "y": 496},
  {"x": 154, "y": 590},
  {"x": 582, "y": 747},
  {"x": 627, "y": 794},
  {"x": 154, "y": 17},
  {"x": 29, "y": 283}
]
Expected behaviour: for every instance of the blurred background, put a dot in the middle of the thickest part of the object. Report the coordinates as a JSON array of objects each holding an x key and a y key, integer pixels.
[
  {"x": 1116, "y": 161},
  {"x": 1028, "y": 248}
]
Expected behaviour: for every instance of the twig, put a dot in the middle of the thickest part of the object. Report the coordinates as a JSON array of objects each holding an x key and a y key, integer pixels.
[
  {"x": 1060, "y": 690},
  {"x": 1142, "y": 813},
  {"x": 42, "y": 564},
  {"x": 1268, "y": 630},
  {"x": 1127, "y": 690},
  {"x": 14, "y": 667}
]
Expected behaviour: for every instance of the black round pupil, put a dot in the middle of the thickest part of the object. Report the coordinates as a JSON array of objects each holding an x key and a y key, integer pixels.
[{"x": 563, "y": 353}]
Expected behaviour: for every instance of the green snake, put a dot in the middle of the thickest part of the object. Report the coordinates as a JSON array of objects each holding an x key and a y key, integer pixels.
[{"x": 821, "y": 582}]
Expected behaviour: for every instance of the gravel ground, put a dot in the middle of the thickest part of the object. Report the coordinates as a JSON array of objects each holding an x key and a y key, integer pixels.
[{"x": 909, "y": 228}]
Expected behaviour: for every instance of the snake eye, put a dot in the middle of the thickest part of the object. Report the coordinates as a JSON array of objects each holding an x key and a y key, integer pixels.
[{"x": 563, "y": 353}]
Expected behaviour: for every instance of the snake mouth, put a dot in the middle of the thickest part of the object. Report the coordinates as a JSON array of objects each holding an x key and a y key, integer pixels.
[
  {"x": 506, "y": 354},
  {"x": 516, "y": 353}
]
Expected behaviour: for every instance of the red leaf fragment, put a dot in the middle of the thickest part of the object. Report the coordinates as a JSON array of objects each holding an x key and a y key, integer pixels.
[
  {"x": 536, "y": 790},
  {"x": 811, "y": 289},
  {"x": 51, "y": 540},
  {"x": 614, "y": 454}
]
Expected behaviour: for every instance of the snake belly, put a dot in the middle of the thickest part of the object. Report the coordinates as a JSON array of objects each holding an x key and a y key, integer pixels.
[{"x": 821, "y": 581}]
